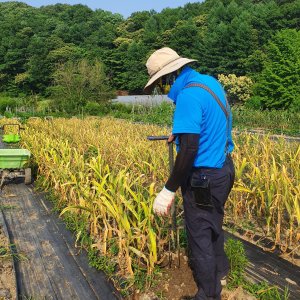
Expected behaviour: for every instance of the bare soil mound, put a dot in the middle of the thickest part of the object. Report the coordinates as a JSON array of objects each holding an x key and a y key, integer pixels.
[{"x": 178, "y": 283}]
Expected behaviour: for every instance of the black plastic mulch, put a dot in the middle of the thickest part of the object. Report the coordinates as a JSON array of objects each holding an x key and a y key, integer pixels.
[
  {"x": 50, "y": 266},
  {"x": 269, "y": 267}
]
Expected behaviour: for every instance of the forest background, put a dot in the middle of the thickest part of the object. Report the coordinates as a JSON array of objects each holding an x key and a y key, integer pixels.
[{"x": 78, "y": 57}]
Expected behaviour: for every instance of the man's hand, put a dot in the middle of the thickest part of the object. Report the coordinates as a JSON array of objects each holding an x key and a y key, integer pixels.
[
  {"x": 171, "y": 138},
  {"x": 163, "y": 202}
]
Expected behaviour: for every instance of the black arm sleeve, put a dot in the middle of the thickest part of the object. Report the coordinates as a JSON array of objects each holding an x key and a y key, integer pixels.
[{"x": 188, "y": 149}]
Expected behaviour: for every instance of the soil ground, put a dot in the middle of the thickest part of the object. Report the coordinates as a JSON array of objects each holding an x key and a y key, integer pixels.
[
  {"x": 264, "y": 266},
  {"x": 7, "y": 272},
  {"x": 178, "y": 283}
]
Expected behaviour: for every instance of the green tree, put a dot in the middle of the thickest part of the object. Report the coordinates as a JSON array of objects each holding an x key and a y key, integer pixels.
[
  {"x": 151, "y": 30},
  {"x": 230, "y": 38},
  {"x": 116, "y": 62},
  {"x": 184, "y": 37},
  {"x": 265, "y": 19},
  {"x": 279, "y": 83},
  {"x": 44, "y": 54},
  {"x": 292, "y": 10},
  {"x": 76, "y": 83},
  {"x": 226, "y": 36},
  {"x": 134, "y": 75}
]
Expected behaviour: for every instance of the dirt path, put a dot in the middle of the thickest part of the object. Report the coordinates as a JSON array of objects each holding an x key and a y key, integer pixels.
[{"x": 51, "y": 268}]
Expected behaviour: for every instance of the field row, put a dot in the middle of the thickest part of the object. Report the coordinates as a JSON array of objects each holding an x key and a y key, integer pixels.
[{"x": 105, "y": 172}]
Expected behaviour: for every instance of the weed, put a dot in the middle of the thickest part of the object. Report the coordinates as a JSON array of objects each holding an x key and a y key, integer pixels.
[
  {"x": 7, "y": 206},
  {"x": 101, "y": 262},
  {"x": 238, "y": 262},
  {"x": 264, "y": 291},
  {"x": 11, "y": 252}
]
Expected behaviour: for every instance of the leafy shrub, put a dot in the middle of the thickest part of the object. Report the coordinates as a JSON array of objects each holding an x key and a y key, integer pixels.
[
  {"x": 43, "y": 105},
  {"x": 121, "y": 107},
  {"x": 7, "y": 102},
  {"x": 96, "y": 109},
  {"x": 8, "y": 114},
  {"x": 238, "y": 88},
  {"x": 295, "y": 105},
  {"x": 254, "y": 102}
]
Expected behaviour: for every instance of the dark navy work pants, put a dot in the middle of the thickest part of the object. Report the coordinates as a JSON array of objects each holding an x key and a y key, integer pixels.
[{"x": 204, "y": 230}]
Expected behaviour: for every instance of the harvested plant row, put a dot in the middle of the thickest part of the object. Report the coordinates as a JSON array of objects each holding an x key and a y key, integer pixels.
[{"x": 105, "y": 171}]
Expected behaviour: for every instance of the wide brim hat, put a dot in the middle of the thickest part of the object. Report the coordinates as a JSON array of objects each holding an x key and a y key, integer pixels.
[{"x": 163, "y": 62}]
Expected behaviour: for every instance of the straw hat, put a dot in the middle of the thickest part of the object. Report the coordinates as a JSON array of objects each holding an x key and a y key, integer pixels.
[{"x": 164, "y": 61}]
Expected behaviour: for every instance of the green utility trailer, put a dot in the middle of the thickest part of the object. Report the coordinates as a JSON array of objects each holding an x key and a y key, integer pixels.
[{"x": 12, "y": 165}]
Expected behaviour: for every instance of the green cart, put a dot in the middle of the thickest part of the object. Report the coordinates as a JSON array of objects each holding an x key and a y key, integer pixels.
[
  {"x": 11, "y": 138},
  {"x": 12, "y": 165}
]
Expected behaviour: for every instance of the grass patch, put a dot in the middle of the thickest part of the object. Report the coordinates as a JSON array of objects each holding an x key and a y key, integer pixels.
[{"x": 275, "y": 121}]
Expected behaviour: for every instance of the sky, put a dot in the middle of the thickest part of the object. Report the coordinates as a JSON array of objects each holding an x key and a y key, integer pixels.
[{"x": 123, "y": 7}]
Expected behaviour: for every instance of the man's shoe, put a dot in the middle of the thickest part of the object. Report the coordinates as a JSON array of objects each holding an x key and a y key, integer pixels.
[
  {"x": 224, "y": 281},
  {"x": 200, "y": 296}
]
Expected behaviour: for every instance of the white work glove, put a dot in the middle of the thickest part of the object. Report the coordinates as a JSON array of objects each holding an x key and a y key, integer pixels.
[{"x": 163, "y": 202}]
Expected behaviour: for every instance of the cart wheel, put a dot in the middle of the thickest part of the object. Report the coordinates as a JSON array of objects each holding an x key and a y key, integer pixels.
[{"x": 28, "y": 176}]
